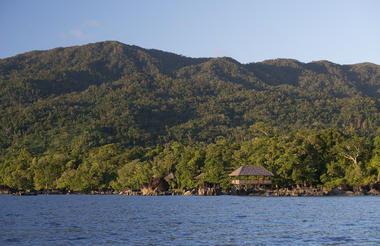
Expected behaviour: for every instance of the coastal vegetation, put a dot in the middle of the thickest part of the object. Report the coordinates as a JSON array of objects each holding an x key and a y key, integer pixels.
[{"x": 112, "y": 116}]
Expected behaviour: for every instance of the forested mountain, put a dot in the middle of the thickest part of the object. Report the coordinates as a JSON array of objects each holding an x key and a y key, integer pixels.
[{"x": 80, "y": 98}]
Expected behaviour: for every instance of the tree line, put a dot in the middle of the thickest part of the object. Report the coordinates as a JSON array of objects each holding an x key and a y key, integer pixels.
[{"x": 320, "y": 158}]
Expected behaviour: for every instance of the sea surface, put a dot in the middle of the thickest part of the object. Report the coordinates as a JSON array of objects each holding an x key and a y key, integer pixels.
[{"x": 188, "y": 220}]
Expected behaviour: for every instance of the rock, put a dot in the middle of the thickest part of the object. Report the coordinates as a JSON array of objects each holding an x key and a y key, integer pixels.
[
  {"x": 210, "y": 192},
  {"x": 319, "y": 193},
  {"x": 127, "y": 191},
  {"x": 201, "y": 192},
  {"x": 156, "y": 187},
  {"x": 146, "y": 190},
  {"x": 336, "y": 192},
  {"x": 269, "y": 193},
  {"x": 206, "y": 191},
  {"x": 349, "y": 193},
  {"x": 374, "y": 192},
  {"x": 360, "y": 193},
  {"x": 187, "y": 193},
  {"x": 360, "y": 188},
  {"x": 25, "y": 193},
  {"x": 6, "y": 190},
  {"x": 345, "y": 187},
  {"x": 177, "y": 193},
  {"x": 159, "y": 184}
]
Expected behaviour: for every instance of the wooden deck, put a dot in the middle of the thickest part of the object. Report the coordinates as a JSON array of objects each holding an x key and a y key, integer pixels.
[{"x": 251, "y": 182}]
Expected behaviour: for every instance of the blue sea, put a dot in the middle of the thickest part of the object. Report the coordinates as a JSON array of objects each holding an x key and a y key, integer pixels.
[{"x": 188, "y": 220}]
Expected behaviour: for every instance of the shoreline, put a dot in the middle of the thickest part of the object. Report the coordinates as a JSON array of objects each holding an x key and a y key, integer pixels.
[{"x": 283, "y": 192}]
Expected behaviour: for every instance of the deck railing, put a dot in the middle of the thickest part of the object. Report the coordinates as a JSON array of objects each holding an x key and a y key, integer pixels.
[{"x": 251, "y": 181}]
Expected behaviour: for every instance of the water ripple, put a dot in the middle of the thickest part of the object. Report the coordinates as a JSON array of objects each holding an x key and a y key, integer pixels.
[{"x": 223, "y": 220}]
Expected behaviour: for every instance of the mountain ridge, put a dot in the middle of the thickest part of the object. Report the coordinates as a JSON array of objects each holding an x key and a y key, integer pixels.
[
  {"x": 163, "y": 96},
  {"x": 170, "y": 52}
]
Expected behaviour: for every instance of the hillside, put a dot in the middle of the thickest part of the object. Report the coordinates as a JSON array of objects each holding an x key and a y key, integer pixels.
[
  {"x": 119, "y": 93},
  {"x": 80, "y": 98}
]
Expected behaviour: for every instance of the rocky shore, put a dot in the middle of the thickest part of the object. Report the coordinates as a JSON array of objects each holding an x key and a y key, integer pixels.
[
  {"x": 342, "y": 190},
  {"x": 299, "y": 191}
]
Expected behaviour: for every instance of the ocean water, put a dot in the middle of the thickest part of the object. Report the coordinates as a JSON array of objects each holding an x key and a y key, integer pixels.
[{"x": 188, "y": 220}]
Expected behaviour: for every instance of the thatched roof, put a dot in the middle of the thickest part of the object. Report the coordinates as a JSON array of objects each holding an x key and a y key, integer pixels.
[
  {"x": 199, "y": 177},
  {"x": 251, "y": 171},
  {"x": 170, "y": 176}
]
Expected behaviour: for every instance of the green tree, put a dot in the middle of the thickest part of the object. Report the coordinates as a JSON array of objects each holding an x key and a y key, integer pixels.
[
  {"x": 15, "y": 171},
  {"x": 48, "y": 169},
  {"x": 189, "y": 167},
  {"x": 133, "y": 175}
]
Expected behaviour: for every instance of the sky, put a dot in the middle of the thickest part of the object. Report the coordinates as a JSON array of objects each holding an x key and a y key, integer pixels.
[{"x": 341, "y": 31}]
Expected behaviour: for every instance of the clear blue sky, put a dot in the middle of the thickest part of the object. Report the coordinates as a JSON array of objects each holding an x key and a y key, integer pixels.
[{"x": 341, "y": 31}]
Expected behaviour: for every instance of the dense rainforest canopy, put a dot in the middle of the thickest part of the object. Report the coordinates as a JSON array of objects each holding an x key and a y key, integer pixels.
[{"x": 110, "y": 115}]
